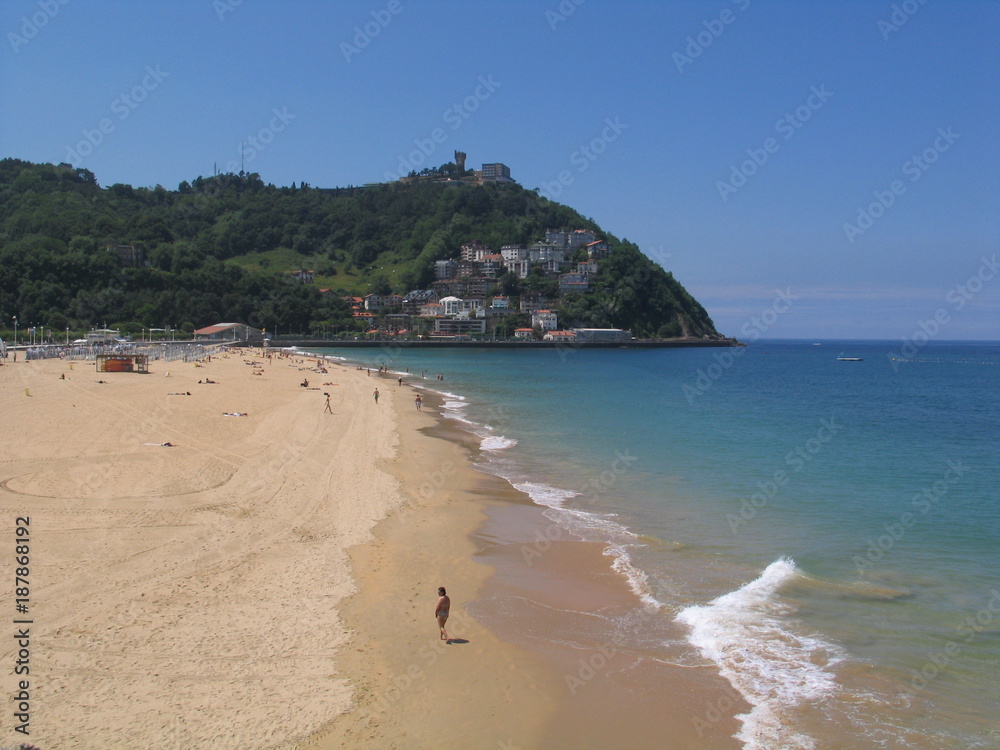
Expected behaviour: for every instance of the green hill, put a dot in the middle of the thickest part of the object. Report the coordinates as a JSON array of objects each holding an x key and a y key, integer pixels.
[{"x": 222, "y": 248}]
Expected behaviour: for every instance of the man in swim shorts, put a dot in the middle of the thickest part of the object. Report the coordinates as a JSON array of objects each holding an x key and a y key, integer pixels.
[{"x": 441, "y": 612}]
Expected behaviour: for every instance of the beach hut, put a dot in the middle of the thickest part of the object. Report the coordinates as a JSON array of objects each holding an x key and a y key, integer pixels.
[{"x": 122, "y": 363}]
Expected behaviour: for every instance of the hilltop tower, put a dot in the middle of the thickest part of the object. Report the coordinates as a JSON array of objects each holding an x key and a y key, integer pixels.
[{"x": 460, "y": 161}]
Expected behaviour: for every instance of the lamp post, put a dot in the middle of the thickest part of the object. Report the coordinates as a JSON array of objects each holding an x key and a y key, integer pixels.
[
  {"x": 15, "y": 330},
  {"x": 67, "y": 335}
]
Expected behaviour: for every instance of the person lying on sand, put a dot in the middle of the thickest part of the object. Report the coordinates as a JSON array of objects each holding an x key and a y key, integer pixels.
[{"x": 234, "y": 414}]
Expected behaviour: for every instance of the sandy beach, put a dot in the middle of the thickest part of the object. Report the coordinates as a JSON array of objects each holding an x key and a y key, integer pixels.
[
  {"x": 185, "y": 595},
  {"x": 269, "y": 580}
]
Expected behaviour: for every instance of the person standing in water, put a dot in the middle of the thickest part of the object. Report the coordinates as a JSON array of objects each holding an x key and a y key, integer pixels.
[{"x": 441, "y": 612}]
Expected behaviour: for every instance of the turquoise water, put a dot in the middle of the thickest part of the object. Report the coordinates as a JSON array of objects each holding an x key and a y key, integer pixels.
[{"x": 826, "y": 533}]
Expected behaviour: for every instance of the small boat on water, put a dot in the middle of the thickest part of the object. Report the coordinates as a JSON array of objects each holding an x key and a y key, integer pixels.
[{"x": 842, "y": 358}]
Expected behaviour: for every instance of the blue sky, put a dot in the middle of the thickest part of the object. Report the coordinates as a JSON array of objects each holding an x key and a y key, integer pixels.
[{"x": 736, "y": 141}]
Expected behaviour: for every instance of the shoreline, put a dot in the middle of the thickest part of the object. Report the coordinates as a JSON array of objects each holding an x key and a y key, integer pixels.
[
  {"x": 411, "y": 689},
  {"x": 276, "y": 574},
  {"x": 585, "y": 682},
  {"x": 309, "y": 344}
]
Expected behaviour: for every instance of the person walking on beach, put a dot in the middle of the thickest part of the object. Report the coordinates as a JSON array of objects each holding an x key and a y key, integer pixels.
[
  {"x": 328, "y": 408},
  {"x": 418, "y": 401},
  {"x": 441, "y": 612},
  {"x": 375, "y": 395}
]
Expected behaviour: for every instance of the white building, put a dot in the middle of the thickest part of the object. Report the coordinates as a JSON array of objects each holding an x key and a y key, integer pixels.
[
  {"x": 520, "y": 268},
  {"x": 459, "y": 326},
  {"x": 474, "y": 250},
  {"x": 431, "y": 310},
  {"x": 602, "y": 335},
  {"x": 511, "y": 253},
  {"x": 451, "y": 305},
  {"x": 472, "y": 305},
  {"x": 544, "y": 319},
  {"x": 540, "y": 252}
]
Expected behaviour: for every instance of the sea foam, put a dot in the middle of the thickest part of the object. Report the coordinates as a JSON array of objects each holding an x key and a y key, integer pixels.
[
  {"x": 749, "y": 636},
  {"x": 497, "y": 443}
]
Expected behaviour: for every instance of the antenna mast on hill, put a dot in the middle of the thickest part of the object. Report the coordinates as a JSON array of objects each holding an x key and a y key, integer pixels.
[{"x": 241, "y": 158}]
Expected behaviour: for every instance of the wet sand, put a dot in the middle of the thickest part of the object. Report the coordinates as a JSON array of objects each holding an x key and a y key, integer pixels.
[{"x": 542, "y": 669}]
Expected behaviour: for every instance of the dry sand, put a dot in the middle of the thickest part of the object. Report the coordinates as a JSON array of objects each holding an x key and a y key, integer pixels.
[{"x": 186, "y": 596}]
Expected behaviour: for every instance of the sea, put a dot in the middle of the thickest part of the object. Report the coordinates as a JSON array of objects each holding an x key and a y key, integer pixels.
[{"x": 819, "y": 521}]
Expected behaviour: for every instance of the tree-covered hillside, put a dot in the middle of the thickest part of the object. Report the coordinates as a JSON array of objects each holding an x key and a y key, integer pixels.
[{"x": 221, "y": 249}]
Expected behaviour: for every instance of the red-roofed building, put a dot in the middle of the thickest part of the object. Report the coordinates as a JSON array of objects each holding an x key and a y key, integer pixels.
[
  {"x": 598, "y": 250},
  {"x": 231, "y": 332},
  {"x": 559, "y": 336}
]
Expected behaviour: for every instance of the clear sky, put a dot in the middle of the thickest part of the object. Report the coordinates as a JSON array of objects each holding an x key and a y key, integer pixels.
[{"x": 739, "y": 143}]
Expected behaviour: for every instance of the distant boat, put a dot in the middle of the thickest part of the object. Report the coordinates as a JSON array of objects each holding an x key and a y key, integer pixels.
[{"x": 842, "y": 358}]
